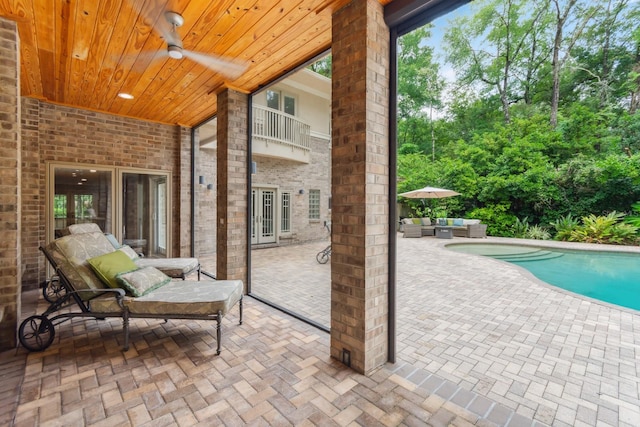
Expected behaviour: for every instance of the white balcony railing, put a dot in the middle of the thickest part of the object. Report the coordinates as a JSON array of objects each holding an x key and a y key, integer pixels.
[{"x": 275, "y": 127}]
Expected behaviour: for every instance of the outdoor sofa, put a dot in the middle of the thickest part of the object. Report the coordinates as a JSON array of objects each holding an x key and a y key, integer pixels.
[
  {"x": 417, "y": 227},
  {"x": 105, "y": 282},
  {"x": 462, "y": 227}
]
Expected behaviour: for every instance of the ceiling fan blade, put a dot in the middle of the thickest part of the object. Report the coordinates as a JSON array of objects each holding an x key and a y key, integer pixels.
[
  {"x": 231, "y": 68},
  {"x": 154, "y": 14}
]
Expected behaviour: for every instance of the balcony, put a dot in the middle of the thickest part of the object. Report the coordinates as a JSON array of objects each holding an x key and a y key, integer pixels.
[{"x": 280, "y": 135}]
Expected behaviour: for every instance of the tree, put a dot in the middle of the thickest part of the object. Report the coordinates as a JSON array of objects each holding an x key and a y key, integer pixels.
[
  {"x": 492, "y": 47},
  {"x": 568, "y": 15},
  {"x": 419, "y": 85},
  {"x": 322, "y": 66}
]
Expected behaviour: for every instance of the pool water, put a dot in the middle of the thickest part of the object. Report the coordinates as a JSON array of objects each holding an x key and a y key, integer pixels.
[{"x": 606, "y": 276}]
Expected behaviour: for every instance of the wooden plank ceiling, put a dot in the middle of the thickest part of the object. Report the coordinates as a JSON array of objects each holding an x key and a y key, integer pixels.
[{"x": 83, "y": 53}]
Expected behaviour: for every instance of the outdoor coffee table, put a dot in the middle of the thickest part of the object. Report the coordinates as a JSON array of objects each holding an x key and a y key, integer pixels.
[{"x": 444, "y": 232}]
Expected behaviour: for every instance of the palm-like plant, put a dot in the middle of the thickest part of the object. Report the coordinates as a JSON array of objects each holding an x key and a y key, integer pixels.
[
  {"x": 564, "y": 226},
  {"x": 538, "y": 233},
  {"x": 604, "y": 229}
]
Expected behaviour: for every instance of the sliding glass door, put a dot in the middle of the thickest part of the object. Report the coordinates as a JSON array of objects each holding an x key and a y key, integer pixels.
[
  {"x": 144, "y": 213},
  {"x": 131, "y": 204}
]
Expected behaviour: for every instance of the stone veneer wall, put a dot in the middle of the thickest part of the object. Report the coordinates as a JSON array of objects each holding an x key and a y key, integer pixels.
[
  {"x": 360, "y": 179},
  {"x": 10, "y": 197},
  {"x": 64, "y": 134}
]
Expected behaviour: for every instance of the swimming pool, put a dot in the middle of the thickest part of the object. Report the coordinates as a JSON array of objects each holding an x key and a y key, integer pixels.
[{"x": 613, "y": 277}]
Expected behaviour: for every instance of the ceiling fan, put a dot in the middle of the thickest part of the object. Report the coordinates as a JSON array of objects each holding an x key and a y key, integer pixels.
[{"x": 231, "y": 68}]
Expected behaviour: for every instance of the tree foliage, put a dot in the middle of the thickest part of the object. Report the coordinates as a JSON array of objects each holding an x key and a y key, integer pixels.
[{"x": 540, "y": 122}]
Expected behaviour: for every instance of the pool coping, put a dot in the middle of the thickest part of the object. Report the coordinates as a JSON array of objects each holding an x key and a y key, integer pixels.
[{"x": 550, "y": 244}]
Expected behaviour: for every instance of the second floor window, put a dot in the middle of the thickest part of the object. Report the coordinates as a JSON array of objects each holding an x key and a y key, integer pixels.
[{"x": 283, "y": 102}]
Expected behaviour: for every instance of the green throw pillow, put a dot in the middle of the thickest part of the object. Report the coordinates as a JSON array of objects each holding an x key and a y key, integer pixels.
[
  {"x": 416, "y": 221},
  {"x": 108, "y": 266}
]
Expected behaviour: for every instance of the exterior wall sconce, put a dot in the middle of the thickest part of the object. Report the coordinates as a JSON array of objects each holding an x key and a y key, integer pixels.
[
  {"x": 203, "y": 184},
  {"x": 254, "y": 168},
  {"x": 301, "y": 191}
]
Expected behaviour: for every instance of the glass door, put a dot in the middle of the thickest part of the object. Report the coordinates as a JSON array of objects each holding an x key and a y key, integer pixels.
[
  {"x": 80, "y": 194},
  {"x": 145, "y": 226},
  {"x": 263, "y": 215}
]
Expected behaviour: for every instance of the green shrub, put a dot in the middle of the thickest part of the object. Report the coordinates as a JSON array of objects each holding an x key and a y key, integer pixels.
[
  {"x": 605, "y": 229},
  {"x": 564, "y": 226},
  {"x": 520, "y": 228},
  {"x": 537, "y": 232},
  {"x": 497, "y": 217}
]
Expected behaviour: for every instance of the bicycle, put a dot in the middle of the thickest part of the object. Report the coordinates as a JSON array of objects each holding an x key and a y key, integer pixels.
[{"x": 323, "y": 256}]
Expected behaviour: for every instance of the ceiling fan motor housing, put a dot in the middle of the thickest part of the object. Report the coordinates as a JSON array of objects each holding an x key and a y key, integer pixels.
[
  {"x": 174, "y": 18},
  {"x": 175, "y": 52}
]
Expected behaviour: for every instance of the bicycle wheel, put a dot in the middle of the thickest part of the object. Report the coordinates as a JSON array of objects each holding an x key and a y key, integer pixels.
[
  {"x": 53, "y": 290},
  {"x": 323, "y": 256},
  {"x": 36, "y": 333}
]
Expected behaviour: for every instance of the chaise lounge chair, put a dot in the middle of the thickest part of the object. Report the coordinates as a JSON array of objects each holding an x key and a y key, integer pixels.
[
  {"x": 104, "y": 282},
  {"x": 172, "y": 267}
]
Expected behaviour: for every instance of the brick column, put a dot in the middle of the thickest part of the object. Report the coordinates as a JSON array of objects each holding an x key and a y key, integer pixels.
[
  {"x": 360, "y": 185},
  {"x": 10, "y": 167},
  {"x": 232, "y": 192}
]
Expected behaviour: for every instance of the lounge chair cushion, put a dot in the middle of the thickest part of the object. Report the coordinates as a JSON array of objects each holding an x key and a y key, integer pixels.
[
  {"x": 142, "y": 281},
  {"x": 129, "y": 251},
  {"x": 172, "y": 267},
  {"x": 87, "y": 227},
  {"x": 109, "y": 265},
  {"x": 72, "y": 252},
  {"x": 179, "y": 297}
]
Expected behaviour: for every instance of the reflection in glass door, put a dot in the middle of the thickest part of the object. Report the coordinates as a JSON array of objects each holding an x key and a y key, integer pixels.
[
  {"x": 160, "y": 215},
  {"x": 144, "y": 213},
  {"x": 81, "y": 195}
]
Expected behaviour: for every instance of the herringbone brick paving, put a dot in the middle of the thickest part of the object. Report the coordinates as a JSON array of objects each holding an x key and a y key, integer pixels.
[
  {"x": 480, "y": 343},
  {"x": 273, "y": 370}
]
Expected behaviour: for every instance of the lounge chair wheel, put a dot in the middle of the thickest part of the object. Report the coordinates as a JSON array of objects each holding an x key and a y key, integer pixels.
[
  {"x": 53, "y": 290},
  {"x": 36, "y": 333}
]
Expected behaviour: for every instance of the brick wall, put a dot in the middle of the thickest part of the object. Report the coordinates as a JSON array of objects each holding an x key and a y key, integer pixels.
[
  {"x": 10, "y": 197},
  {"x": 205, "y": 223},
  {"x": 55, "y": 133},
  {"x": 231, "y": 219},
  {"x": 360, "y": 179},
  {"x": 288, "y": 176}
]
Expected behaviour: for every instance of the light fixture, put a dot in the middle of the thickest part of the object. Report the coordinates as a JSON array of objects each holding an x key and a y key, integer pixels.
[
  {"x": 209, "y": 186},
  {"x": 124, "y": 95},
  {"x": 254, "y": 168},
  {"x": 201, "y": 180},
  {"x": 175, "y": 52},
  {"x": 301, "y": 191}
]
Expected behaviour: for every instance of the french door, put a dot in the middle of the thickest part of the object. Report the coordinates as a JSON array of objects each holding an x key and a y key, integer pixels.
[{"x": 263, "y": 215}]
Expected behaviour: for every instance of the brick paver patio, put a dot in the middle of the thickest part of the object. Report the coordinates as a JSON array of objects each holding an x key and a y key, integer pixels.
[{"x": 479, "y": 343}]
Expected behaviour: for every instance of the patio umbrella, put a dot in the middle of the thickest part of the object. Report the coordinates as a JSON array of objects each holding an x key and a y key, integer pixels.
[{"x": 429, "y": 193}]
